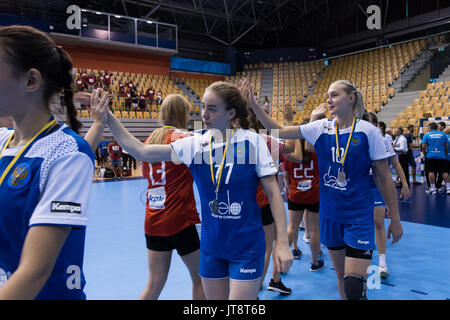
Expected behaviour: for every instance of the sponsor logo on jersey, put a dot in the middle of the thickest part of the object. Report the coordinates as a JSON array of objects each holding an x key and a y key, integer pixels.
[
  {"x": 247, "y": 270},
  {"x": 156, "y": 198},
  {"x": 227, "y": 210},
  {"x": 65, "y": 207},
  {"x": 332, "y": 181}
]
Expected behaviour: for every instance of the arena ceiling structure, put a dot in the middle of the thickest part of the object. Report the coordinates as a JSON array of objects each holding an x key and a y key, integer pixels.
[{"x": 206, "y": 27}]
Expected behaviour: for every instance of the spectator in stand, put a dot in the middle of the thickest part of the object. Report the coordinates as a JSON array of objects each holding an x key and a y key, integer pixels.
[
  {"x": 107, "y": 77},
  {"x": 83, "y": 74},
  {"x": 121, "y": 89},
  {"x": 150, "y": 95},
  {"x": 135, "y": 99},
  {"x": 80, "y": 84},
  {"x": 128, "y": 100},
  {"x": 91, "y": 79},
  {"x": 98, "y": 84},
  {"x": 159, "y": 98},
  {"x": 130, "y": 85},
  {"x": 115, "y": 153},
  {"x": 142, "y": 101}
]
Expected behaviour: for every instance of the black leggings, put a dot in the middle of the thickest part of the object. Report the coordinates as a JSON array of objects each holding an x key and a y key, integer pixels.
[{"x": 404, "y": 162}]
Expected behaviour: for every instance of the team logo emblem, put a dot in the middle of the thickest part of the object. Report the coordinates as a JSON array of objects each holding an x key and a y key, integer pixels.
[
  {"x": 20, "y": 176},
  {"x": 356, "y": 141}
]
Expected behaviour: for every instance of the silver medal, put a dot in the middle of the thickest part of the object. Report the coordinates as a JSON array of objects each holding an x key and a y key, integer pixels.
[
  {"x": 342, "y": 179},
  {"x": 215, "y": 206}
]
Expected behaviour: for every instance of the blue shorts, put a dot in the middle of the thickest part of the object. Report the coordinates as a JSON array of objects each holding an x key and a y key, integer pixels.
[
  {"x": 242, "y": 270},
  {"x": 377, "y": 198},
  {"x": 116, "y": 162},
  {"x": 358, "y": 236}
]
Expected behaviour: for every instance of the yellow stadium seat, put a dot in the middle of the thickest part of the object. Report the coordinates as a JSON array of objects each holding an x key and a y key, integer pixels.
[
  {"x": 118, "y": 114},
  {"x": 139, "y": 115},
  {"x": 132, "y": 115},
  {"x": 85, "y": 114},
  {"x": 125, "y": 114}
]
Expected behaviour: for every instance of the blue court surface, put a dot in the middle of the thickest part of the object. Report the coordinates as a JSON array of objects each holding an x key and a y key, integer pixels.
[{"x": 115, "y": 261}]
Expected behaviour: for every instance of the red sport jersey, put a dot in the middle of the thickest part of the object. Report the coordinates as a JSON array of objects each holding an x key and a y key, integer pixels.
[
  {"x": 276, "y": 149},
  {"x": 303, "y": 181},
  {"x": 170, "y": 206}
]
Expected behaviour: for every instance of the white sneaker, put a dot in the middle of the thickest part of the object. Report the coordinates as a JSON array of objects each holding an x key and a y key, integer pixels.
[
  {"x": 428, "y": 190},
  {"x": 384, "y": 272},
  {"x": 448, "y": 191},
  {"x": 306, "y": 238},
  {"x": 442, "y": 189}
]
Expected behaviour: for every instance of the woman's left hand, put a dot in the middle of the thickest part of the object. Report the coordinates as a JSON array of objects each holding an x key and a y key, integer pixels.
[
  {"x": 283, "y": 258},
  {"x": 405, "y": 193}
]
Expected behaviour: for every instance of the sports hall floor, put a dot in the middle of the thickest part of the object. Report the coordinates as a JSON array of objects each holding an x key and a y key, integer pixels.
[{"x": 115, "y": 263}]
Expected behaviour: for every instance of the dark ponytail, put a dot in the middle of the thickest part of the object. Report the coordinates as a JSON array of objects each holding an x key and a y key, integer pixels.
[
  {"x": 26, "y": 48},
  {"x": 66, "y": 73}
]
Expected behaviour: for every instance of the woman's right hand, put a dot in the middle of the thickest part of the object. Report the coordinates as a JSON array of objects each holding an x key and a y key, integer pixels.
[
  {"x": 320, "y": 109},
  {"x": 99, "y": 103},
  {"x": 246, "y": 90}
]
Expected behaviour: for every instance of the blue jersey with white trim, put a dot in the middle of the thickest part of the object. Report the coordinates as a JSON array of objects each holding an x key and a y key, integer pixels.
[
  {"x": 235, "y": 230},
  {"x": 49, "y": 185},
  {"x": 349, "y": 202}
]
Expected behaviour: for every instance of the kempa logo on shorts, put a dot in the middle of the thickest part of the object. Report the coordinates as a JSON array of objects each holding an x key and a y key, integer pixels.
[
  {"x": 65, "y": 207},
  {"x": 248, "y": 270},
  {"x": 363, "y": 242}
]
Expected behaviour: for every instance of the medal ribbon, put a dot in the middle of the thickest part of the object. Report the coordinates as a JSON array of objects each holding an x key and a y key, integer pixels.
[
  {"x": 221, "y": 165},
  {"x": 348, "y": 142},
  {"x": 12, "y": 163}
]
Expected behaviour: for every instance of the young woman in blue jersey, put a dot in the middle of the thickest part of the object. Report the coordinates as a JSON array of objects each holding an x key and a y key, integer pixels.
[
  {"x": 379, "y": 210},
  {"x": 227, "y": 163},
  {"x": 46, "y": 171},
  {"x": 345, "y": 148}
]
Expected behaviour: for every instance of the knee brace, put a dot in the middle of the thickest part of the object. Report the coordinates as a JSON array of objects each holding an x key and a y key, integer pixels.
[{"x": 355, "y": 287}]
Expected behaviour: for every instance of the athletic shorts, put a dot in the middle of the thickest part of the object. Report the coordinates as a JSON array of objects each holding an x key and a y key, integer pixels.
[
  {"x": 185, "y": 242},
  {"x": 437, "y": 165},
  {"x": 377, "y": 198},
  {"x": 266, "y": 215},
  {"x": 116, "y": 162},
  {"x": 333, "y": 234},
  {"x": 312, "y": 207},
  {"x": 214, "y": 268},
  {"x": 411, "y": 160}
]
